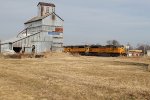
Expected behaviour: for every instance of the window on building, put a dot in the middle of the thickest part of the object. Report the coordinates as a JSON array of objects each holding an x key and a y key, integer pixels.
[
  {"x": 47, "y": 9},
  {"x": 10, "y": 46},
  {"x": 53, "y": 17}
]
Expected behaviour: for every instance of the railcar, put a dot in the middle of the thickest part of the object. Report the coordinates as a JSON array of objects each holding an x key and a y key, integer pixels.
[
  {"x": 96, "y": 50},
  {"x": 75, "y": 49},
  {"x": 108, "y": 50}
]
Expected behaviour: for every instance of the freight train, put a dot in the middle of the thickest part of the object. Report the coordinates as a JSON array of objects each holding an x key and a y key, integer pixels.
[{"x": 96, "y": 50}]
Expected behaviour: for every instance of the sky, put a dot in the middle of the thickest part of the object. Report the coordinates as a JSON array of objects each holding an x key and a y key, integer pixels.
[{"x": 86, "y": 21}]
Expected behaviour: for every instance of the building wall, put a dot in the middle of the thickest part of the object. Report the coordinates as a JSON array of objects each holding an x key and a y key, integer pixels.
[
  {"x": 30, "y": 40},
  {"x": 33, "y": 27},
  {"x": 58, "y": 22},
  {"x": 52, "y": 22},
  {"x": 43, "y": 42},
  {"x": 5, "y": 47},
  {"x": 134, "y": 54},
  {"x": 48, "y": 21},
  {"x": 47, "y": 24},
  {"x": 34, "y": 24},
  {"x": 45, "y": 35},
  {"x": 42, "y": 10}
]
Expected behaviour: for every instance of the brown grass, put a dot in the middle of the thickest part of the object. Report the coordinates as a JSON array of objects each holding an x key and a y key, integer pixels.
[{"x": 65, "y": 77}]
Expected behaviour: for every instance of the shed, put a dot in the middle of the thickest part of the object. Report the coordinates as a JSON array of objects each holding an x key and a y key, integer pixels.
[{"x": 135, "y": 53}]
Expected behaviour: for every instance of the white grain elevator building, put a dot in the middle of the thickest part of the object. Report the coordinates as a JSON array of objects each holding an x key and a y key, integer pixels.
[{"x": 42, "y": 33}]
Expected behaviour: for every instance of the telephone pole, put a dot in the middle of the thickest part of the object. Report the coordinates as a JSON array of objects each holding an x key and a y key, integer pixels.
[
  {"x": 0, "y": 46},
  {"x": 144, "y": 50}
]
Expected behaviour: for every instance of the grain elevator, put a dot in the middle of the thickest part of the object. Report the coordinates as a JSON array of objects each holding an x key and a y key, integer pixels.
[{"x": 42, "y": 33}]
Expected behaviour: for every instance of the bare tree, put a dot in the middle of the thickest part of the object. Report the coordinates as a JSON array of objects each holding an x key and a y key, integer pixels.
[
  {"x": 113, "y": 42},
  {"x": 143, "y": 47},
  {"x": 130, "y": 46}
]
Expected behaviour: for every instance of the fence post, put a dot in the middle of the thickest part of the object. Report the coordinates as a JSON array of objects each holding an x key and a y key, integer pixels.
[{"x": 148, "y": 68}]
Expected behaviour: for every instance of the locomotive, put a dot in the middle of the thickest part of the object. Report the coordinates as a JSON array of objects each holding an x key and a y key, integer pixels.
[{"x": 96, "y": 50}]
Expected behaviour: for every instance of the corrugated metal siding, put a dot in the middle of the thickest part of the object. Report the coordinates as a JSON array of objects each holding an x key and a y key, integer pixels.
[
  {"x": 43, "y": 46},
  {"x": 47, "y": 21},
  {"x": 45, "y": 34},
  {"x": 58, "y": 22},
  {"x": 43, "y": 41},
  {"x": 34, "y": 24},
  {"x": 5, "y": 47}
]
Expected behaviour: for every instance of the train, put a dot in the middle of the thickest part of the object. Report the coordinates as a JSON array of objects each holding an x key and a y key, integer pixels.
[{"x": 96, "y": 50}]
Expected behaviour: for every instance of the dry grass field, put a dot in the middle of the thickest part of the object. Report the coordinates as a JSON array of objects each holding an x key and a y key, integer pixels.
[{"x": 65, "y": 77}]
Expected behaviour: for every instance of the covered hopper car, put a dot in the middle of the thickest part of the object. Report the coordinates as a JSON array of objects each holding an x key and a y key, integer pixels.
[{"x": 96, "y": 50}]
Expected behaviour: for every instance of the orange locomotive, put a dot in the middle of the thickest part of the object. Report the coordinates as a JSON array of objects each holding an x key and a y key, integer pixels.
[{"x": 96, "y": 50}]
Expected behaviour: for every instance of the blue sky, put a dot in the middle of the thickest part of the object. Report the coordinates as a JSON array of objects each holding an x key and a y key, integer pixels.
[{"x": 86, "y": 21}]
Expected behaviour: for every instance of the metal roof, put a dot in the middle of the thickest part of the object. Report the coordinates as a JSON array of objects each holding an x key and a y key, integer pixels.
[
  {"x": 10, "y": 40},
  {"x": 46, "y": 4},
  {"x": 138, "y": 51},
  {"x": 16, "y": 39},
  {"x": 38, "y": 18}
]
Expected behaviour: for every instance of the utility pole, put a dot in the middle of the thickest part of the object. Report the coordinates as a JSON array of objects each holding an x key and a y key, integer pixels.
[
  {"x": 144, "y": 50},
  {"x": 0, "y": 46},
  {"x": 127, "y": 49}
]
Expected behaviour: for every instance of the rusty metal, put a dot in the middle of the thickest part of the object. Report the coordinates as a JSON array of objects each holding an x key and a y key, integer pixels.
[
  {"x": 42, "y": 10},
  {"x": 59, "y": 29}
]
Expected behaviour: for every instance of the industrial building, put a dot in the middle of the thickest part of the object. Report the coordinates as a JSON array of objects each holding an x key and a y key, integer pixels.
[
  {"x": 42, "y": 33},
  {"x": 135, "y": 53}
]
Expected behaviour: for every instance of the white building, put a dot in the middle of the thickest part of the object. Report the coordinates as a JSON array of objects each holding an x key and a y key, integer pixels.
[{"x": 42, "y": 33}]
